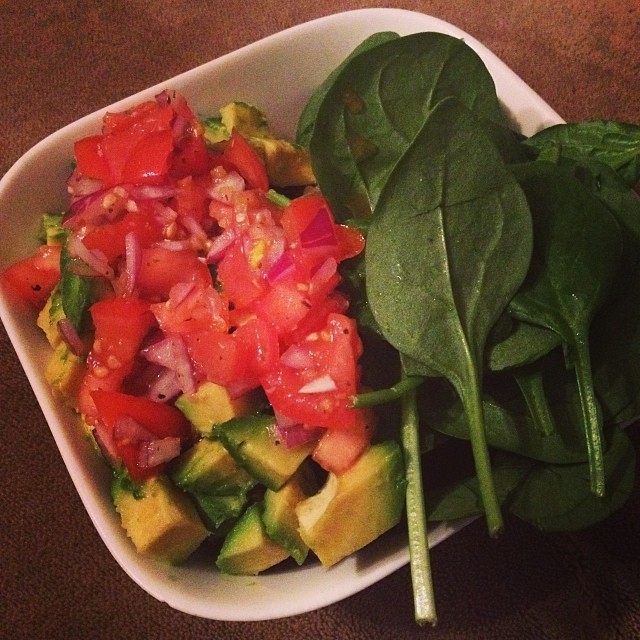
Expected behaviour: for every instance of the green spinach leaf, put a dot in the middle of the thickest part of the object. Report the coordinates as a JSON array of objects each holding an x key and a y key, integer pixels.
[{"x": 449, "y": 219}]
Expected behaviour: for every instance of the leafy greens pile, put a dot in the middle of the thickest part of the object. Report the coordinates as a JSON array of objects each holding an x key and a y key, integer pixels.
[{"x": 500, "y": 284}]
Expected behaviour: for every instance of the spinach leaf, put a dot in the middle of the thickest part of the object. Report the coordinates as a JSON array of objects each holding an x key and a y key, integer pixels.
[
  {"x": 449, "y": 219},
  {"x": 307, "y": 119},
  {"x": 378, "y": 103},
  {"x": 463, "y": 499},
  {"x": 558, "y": 497},
  {"x": 576, "y": 251},
  {"x": 614, "y": 143}
]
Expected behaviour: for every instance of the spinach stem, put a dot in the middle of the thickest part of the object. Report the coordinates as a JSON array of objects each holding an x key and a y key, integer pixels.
[
  {"x": 472, "y": 401},
  {"x": 423, "y": 594},
  {"x": 591, "y": 415},
  {"x": 397, "y": 391},
  {"x": 531, "y": 384}
]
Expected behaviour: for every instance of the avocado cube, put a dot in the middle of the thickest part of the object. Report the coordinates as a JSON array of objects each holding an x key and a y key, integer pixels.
[
  {"x": 249, "y": 441},
  {"x": 65, "y": 372},
  {"x": 219, "y": 510},
  {"x": 279, "y": 517},
  {"x": 247, "y": 549},
  {"x": 207, "y": 467},
  {"x": 287, "y": 164},
  {"x": 354, "y": 508},
  {"x": 48, "y": 318},
  {"x": 247, "y": 119},
  {"x": 160, "y": 520},
  {"x": 211, "y": 405}
]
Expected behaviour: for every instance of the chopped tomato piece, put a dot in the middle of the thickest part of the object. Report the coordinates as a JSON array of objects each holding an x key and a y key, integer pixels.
[
  {"x": 319, "y": 395},
  {"x": 120, "y": 327},
  {"x": 35, "y": 277},
  {"x": 246, "y": 161},
  {"x": 240, "y": 282},
  {"x": 162, "y": 268},
  {"x": 148, "y": 160},
  {"x": 90, "y": 159},
  {"x": 110, "y": 238},
  {"x": 191, "y": 158}
]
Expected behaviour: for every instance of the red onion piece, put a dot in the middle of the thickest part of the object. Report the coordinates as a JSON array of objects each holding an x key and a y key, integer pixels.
[
  {"x": 297, "y": 357},
  {"x": 155, "y": 452},
  {"x": 220, "y": 245},
  {"x": 322, "y": 384},
  {"x": 132, "y": 261},
  {"x": 223, "y": 187},
  {"x": 320, "y": 232},
  {"x": 164, "y": 387},
  {"x": 105, "y": 443},
  {"x": 80, "y": 205},
  {"x": 69, "y": 334},
  {"x": 130, "y": 430},
  {"x": 93, "y": 258},
  {"x": 284, "y": 266},
  {"x": 152, "y": 192},
  {"x": 172, "y": 353},
  {"x": 293, "y": 434}
]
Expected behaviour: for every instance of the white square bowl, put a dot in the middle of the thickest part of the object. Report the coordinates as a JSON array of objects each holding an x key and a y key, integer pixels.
[{"x": 277, "y": 74}]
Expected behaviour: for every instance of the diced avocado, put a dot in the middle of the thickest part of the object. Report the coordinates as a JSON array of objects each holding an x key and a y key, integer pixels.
[
  {"x": 65, "y": 372},
  {"x": 247, "y": 549},
  {"x": 219, "y": 510},
  {"x": 287, "y": 164},
  {"x": 246, "y": 118},
  {"x": 353, "y": 509},
  {"x": 159, "y": 519},
  {"x": 211, "y": 405},
  {"x": 52, "y": 231},
  {"x": 214, "y": 131},
  {"x": 249, "y": 441},
  {"x": 49, "y": 316},
  {"x": 207, "y": 467},
  {"x": 279, "y": 517}
]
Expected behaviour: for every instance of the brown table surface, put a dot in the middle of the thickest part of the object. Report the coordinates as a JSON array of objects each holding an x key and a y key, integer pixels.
[{"x": 62, "y": 59}]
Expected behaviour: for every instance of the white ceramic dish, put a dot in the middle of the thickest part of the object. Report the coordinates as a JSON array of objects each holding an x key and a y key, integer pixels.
[{"x": 295, "y": 61}]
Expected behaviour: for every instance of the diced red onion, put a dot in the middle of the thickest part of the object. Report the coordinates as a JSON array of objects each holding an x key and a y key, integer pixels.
[
  {"x": 293, "y": 434},
  {"x": 69, "y": 334},
  {"x": 79, "y": 185},
  {"x": 93, "y": 258},
  {"x": 297, "y": 357},
  {"x": 284, "y": 266},
  {"x": 219, "y": 245},
  {"x": 179, "y": 127},
  {"x": 320, "y": 232},
  {"x": 163, "y": 98},
  {"x": 132, "y": 261},
  {"x": 172, "y": 353},
  {"x": 130, "y": 430},
  {"x": 194, "y": 228},
  {"x": 155, "y": 452},
  {"x": 175, "y": 245},
  {"x": 152, "y": 192},
  {"x": 221, "y": 187},
  {"x": 164, "y": 387},
  {"x": 105, "y": 442},
  {"x": 322, "y": 384},
  {"x": 80, "y": 205}
]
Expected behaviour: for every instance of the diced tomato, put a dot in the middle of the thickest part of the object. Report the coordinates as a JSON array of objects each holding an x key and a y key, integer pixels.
[
  {"x": 162, "y": 268},
  {"x": 110, "y": 238},
  {"x": 34, "y": 278},
  {"x": 120, "y": 327},
  {"x": 259, "y": 348},
  {"x": 240, "y": 283},
  {"x": 216, "y": 356},
  {"x": 351, "y": 242},
  {"x": 191, "y": 199},
  {"x": 334, "y": 350},
  {"x": 285, "y": 305},
  {"x": 148, "y": 160},
  {"x": 246, "y": 161},
  {"x": 90, "y": 159},
  {"x": 145, "y": 117},
  {"x": 299, "y": 213},
  {"x": 192, "y": 307},
  {"x": 338, "y": 449},
  {"x": 191, "y": 158},
  {"x": 159, "y": 419}
]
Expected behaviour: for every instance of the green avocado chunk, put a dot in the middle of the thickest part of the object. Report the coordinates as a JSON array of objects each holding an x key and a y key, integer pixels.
[
  {"x": 247, "y": 549},
  {"x": 207, "y": 468},
  {"x": 249, "y": 441},
  {"x": 279, "y": 517},
  {"x": 354, "y": 508}
]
